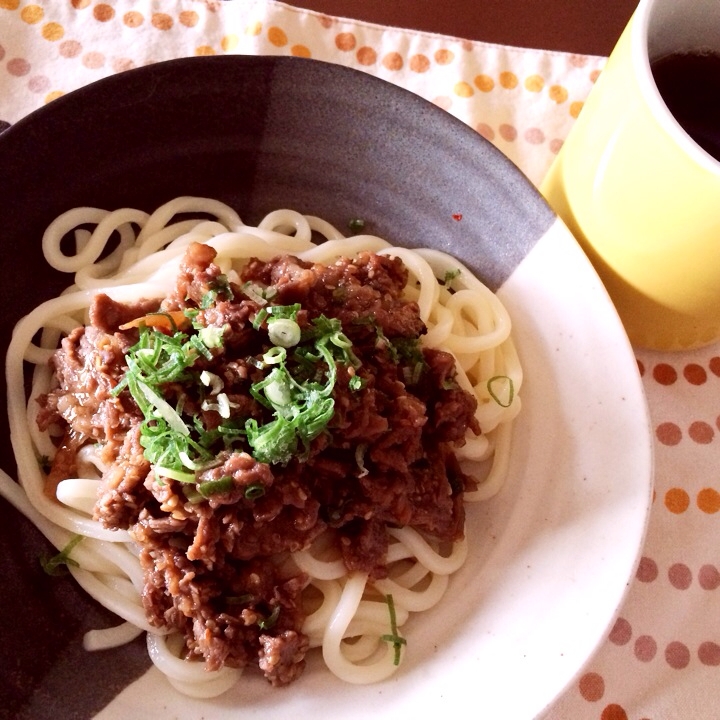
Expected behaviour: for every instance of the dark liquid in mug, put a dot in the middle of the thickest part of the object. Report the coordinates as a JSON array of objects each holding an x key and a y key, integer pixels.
[{"x": 690, "y": 86}]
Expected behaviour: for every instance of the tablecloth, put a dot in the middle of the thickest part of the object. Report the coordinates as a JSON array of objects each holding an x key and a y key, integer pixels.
[{"x": 661, "y": 658}]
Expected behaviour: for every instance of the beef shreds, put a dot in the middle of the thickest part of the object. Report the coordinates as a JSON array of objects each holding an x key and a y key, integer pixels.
[{"x": 215, "y": 550}]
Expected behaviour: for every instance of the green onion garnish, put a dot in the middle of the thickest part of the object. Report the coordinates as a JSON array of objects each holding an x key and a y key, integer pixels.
[
  {"x": 54, "y": 564},
  {"x": 356, "y": 225},
  {"x": 269, "y": 622},
  {"x": 450, "y": 275},
  {"x": 298, "y": 393},
  {"x": 254, "y": 491},
  {"x": 394, "y": 638},
  {"x": 501, "y": 389},
  {"x": 215, "y": 487},
  {"x": 283, "y": 332}
]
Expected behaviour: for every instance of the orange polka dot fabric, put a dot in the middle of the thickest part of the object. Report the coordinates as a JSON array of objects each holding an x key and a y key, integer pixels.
[
  {"x": 661, "y": 656},
  {"x": 523, "y": 101}
]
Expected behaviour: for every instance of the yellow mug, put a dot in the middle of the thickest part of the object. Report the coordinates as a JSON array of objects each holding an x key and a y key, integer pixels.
[{"x": 640, "y": 195}]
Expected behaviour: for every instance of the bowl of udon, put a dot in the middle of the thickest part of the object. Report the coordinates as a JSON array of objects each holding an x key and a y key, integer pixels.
[{"x": 308, "y": 396}]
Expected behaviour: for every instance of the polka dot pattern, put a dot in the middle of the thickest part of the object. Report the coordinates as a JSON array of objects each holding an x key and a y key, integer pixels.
[
  {"x": 709, "y": 654},
  {"x": 677, "y": 655},
  {"x": 443, "y": 56},
  {"x": 709, "y": 577},
  {"x": 613, "y": 712},
  {"x": 524, "y": 102},
  {"x": 103, "y": 12},
  {"x": 621, "y": 634},
  {"x": 645, "y": 648},
  {"x": 680, "y": 576},
  {"x": 678, "y": 569},
  {"x": 366, "y": 56},
  {"x": 18, "y": 67},
  {"x": 419, "y": 63},
  {"x": 484, "y": 83},
  {"x": 591, "y": 686},
  {"x": 462, "y": 84},
  {"x": 32, "y": 14}
]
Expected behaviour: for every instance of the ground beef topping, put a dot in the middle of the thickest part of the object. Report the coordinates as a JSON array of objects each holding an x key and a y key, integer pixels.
[{"x": 241, "y": 418}]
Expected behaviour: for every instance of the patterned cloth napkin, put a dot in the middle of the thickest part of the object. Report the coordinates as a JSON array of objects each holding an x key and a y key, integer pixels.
[{"x": 661, "y": 658}]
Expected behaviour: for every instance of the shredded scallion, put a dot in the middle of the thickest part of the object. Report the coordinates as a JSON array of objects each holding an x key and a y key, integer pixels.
[
  {"x": 215, "y": 487},
  {"x": 393, "y": 637},
  {"x": 284, "y": 332},
  {"x": 54, "y": 565},
  {"x": 501, "y": 389}
]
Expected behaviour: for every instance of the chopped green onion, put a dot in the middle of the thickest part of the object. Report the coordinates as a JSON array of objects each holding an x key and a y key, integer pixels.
[
  {"x": 274, "y": 355},
  {"x": 506, "y": 389},
  {"x": 239, "y": 599},
  {"x": 356, "y": 225},
  {"x": 274, "y": 442},
  {"x": 394, "y": 638},
  {"x": 178, "y": 475},
  {"x": 450, "y": 275},
  {"x": 192, "y": 495},
  {"x": 277, "y": 311},
  {"x": 221, "y": 407},
  {"x": 212, "y": 337},
  {"x": 202, "y": 349},
  {"x": 215, "y": 487},
  {"x": 220, "y": 285},
  {"x": 208, "y": 300},
  {"x": 285, "y": 311},
  {"x": 255, "y": 293},
  {"x": 300, "y": 395},
  {"x": 269, "y": 622},
  {"x": 356, "y": 383},
  {"x": 279, "y": 392},
  {"x": 302, "y": 409},
  {"x": 53, "y": 565},
  {"x": 229, "y": 430},
  {"x": 284, "y": 332},
  {"x": 163, "y": 409},
  {"x": 188, "y": 462},
  {"x": 254, "y": 491},
  {"x": 260, "y": 319}
]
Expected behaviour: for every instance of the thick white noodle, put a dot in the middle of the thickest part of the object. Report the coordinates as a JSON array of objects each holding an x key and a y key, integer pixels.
[
  {"x": 350, "y": 614},
  {"x": 316, "y": 622},
  {"x": 337, "y": 630},
  {"x": 121, "y": 605},
  {"x": 78, "y": 493},
  {"x": 111, "y": 637},
  {"x": 415, "y": 600},
  {"x": 190, "y": 678},
  {"x": 317, "y": 568},
  {"x": 331, "y": 249},
  {"x": 90, "y": 248},
  {"x": 428, "y": 556}
]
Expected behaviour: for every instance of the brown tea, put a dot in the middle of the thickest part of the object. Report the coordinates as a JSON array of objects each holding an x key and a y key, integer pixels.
[{"x": 690, "y": 86}]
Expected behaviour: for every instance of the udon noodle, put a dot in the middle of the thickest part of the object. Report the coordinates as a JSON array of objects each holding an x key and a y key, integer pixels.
[{"x": 132, "y": 254}]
